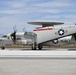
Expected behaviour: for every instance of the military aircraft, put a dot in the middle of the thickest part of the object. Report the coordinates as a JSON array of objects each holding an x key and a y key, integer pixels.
[{"x": 48, "y": 34}]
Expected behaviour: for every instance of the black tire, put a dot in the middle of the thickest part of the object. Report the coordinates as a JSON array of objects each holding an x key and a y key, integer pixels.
[
  {"x": 2, "y": 47},
  {"x": 40, "y": 47},
  {"x": 34, "y": 46}
]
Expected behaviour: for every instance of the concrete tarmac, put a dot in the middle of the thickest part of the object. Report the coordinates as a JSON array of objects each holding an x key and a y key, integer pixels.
[
  {"x": 60, "y": 62},
  {"x": 37, "y": 66}
]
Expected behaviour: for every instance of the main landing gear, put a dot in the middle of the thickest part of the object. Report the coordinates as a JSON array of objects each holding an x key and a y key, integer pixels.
[
  {"x": 39, "y": 47},
  {"x": 34, "y": 46}
]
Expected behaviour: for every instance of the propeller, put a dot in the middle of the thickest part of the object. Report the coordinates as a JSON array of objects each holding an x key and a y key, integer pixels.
[{"x": 13, "y": 35}]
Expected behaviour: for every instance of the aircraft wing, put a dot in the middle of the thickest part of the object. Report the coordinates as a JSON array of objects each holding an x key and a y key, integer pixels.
[{"x": 45, "y": 23}]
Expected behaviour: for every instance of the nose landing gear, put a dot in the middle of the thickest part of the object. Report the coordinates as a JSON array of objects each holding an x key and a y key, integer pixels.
[
  {"x": 2, "y": 47},
  {"x": 34, "y": 46}
]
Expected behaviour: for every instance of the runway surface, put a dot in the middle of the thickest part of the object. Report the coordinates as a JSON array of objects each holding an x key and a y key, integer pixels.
[
  {"x": 45, "y": 62},
  {"x": 45, "y": 53}
]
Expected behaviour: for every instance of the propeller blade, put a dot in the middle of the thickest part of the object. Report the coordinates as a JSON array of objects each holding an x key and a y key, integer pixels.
[{"x": 14, "y": 36}]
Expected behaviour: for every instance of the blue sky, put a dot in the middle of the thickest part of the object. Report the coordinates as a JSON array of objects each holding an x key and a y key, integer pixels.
[{"x": 19, "y": 12}]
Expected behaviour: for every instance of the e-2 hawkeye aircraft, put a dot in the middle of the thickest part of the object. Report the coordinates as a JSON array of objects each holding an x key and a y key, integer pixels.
[{"x": 48, "y": 34}]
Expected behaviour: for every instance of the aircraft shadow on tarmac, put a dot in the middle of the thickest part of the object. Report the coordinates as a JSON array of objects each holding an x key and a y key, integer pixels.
[
  {"x": 44, "y": 49},
  {"x": 33, "y": 50},
  {"x": 50, "y": 49},
  {"x": 72, "y": 49},
  {"x": 29, "y": 49}
]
